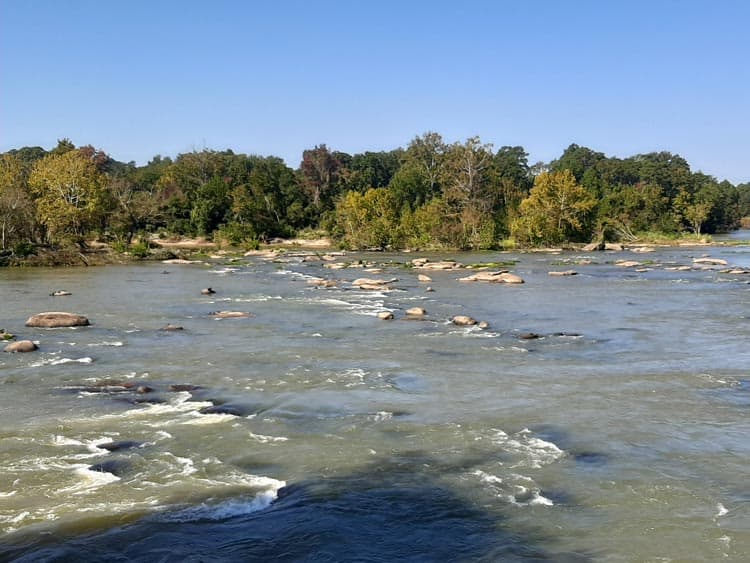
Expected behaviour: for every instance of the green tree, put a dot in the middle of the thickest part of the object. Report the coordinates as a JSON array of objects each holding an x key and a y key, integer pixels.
[
  {"x": 555, "y": 211},
  {"x": 320, "y": 171},
  {"x": 211, "y": 206},
  {"x": 368, "y": 220},
  {"x": 470, "y": 192},
  {"x": 16, "y": 205}
]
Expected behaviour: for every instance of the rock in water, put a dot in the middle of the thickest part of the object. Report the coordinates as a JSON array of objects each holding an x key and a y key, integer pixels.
[
  {"x": 21, "y": 346},
  {"x": 416, "y": 312},
  {"x": 463, "y": 320},
  {"x": 56, "y": 319}
]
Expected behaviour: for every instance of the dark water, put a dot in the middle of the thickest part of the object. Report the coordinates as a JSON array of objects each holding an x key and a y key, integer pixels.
[{"x": 314, "y": 431}]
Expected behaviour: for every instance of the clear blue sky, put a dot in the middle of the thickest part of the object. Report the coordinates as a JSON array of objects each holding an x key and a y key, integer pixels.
[{"x": 139, "y": 77}]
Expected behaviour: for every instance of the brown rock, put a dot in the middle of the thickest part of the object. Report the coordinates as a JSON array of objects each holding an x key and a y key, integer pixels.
[
  {"x": 563, "y": 273},
  {"x": 463, "y": 320},
  {"x": 385, "y": 315},
  {"x": 230, "y": 314},
  {"x": 21, "y": 346},
  {"x": 56, "y": 320},
  {"x": 416, "y": 312}
]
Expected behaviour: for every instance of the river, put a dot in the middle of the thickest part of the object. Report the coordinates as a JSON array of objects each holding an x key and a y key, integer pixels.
[{"x": 601, "y": 416}]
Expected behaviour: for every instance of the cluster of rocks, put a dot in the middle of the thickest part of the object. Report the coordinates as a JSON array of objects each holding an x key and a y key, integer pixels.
[{"x": 52, "y": 319}]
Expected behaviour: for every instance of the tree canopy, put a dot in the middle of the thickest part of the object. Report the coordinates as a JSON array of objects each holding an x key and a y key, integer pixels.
[{"x": 432, "y": 193}]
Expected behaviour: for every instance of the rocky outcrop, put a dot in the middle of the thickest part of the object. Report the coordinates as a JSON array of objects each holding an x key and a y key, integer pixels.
[
  {"x": 424, "y": 264},
  {"x": 463, "y": 320},
  {"x": 21, "y": 346},
  {"x": 56, "y": 320},
  {"x": 502, "y": 276},
  {"x": 594, "y": 246},
  {"x": 373, "y": 284},
  {"x": 230, "y": 314},
  {"x": 710, "y": 261}
]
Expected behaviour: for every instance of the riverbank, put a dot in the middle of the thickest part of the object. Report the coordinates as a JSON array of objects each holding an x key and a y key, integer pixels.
[{"x": 99, "y": 254}]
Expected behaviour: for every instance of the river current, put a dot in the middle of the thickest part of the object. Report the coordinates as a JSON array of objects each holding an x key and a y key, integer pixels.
[{"x": 601, "y": 416}]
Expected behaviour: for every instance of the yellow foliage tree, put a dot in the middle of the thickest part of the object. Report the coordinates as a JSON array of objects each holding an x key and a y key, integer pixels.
[
  {"x": 70, "y": 195},
  {"x": 555, "y": 210}
]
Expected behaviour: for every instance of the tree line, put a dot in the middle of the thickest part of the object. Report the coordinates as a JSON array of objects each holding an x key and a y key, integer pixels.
[{"x": 431, "y": 194}]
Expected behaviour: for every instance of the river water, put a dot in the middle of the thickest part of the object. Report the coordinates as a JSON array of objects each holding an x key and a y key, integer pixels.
[{"x": 313, "y": 430}]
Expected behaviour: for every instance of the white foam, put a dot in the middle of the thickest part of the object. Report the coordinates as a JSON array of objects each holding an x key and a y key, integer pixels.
[
  {"x": 84, "y": 360},
  {"x": 89, "y": 479},
  {"x": 721, "y": 510},
  {"x": 59, "y": 361},
  {"x": 64, "y": 441},
  {"x": 233, "y": 507},
  {"x": 267, "y": 439},
  {"x": 533, "y": 452},
  {"x": 115, "y": 343},
  {"x": 488, "y": 477},
  {"x": 211, "y": 418}
]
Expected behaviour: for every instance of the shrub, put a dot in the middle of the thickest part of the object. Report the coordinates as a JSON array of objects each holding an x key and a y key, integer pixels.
[
  {"x": 24, "y": 248},
  {"x": 140, "y": 250}
]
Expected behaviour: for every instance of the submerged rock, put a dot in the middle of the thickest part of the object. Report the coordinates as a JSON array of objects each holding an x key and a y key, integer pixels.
[
  {"x": 21, "y": 346},
  {"x": 170, "y": 327},
  {"x": 56, "y": 319},
  {"x": 177, "y": 387},
  {"x": 120, "y": 445},
  {"x": 60, "y": 293},
  {"x": 114, "y": 466},
  {"x": 207, "y": 291},
  {"x": 529, "y": 336},
  {"x": 563, "y": 273}
]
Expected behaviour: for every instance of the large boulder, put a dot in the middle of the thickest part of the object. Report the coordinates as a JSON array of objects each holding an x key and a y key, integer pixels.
[
  {"x": 56, "y": 319},
  {"x": 463, "y": 320},
  {"x": 21, "y": 346},
  {"x": 415, "y": 312}
]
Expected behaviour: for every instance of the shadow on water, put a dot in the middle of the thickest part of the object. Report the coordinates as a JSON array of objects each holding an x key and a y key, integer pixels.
[{"x": 392, "y": 511}]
